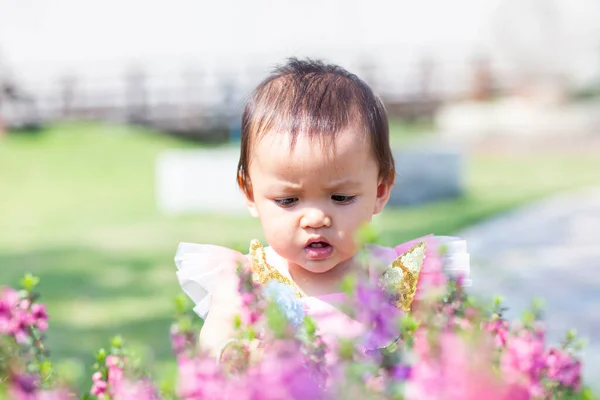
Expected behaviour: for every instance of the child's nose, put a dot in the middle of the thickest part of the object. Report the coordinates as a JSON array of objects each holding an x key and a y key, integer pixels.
[{"x": 315, "y": 218}]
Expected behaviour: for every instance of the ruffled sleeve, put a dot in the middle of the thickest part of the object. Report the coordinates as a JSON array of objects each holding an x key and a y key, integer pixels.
[
  {"x": 456, "y": 259},
  {"x": 200, "y": 267},
  {"x": 445, "y": 256}
]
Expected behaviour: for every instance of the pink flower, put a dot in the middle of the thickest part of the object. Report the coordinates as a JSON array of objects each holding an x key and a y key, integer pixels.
[
  {"x": 18, "y": 326},
  {"x": 499, "y": 329},
  {"x": 141, "y": 390},
  {"x": 564, "y": 368},
  {"x": 249, "y": 314},
  {"x": 17, "y": 393},
  {"x": 99, "y": 386},
  {"x": 421, "y": 343},
  {"x": 115, "y": 372},
  {"x": 40, "y": 317},
  {"x": 56, "y": 394},
  {"x": 200, "y": 379},
  {"x": 453, "y": 369},
  {"x": 9, "y": 299},
  {"x": 112, "y": 361},
  {"x": 24, "y": 304},
  {"x": 523, "y": 361},
  {"x": 115, "y": 376}
]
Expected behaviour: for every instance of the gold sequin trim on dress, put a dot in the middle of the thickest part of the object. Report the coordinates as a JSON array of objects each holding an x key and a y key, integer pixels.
[
  {"x": 401, "y": 278},
  {"x": 262, "y": 272}
]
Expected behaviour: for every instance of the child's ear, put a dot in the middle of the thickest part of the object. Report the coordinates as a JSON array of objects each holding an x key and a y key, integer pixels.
[
  {"x": 248, "y": 198},
  {"x": 251, "y": 206},
  {"x": 384, "y": 189}
]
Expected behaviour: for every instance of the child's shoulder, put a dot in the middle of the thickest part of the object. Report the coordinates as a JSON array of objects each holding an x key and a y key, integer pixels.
[
  {"x": 201, "y": 268},
  {"x": 206, "y": 270}
]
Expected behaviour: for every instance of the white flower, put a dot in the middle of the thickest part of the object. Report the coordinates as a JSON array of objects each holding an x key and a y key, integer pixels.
[{"x": 285, "y": 297}]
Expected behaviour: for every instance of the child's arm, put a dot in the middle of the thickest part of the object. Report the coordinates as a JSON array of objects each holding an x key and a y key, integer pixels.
[{"x": 224, "y": 306}]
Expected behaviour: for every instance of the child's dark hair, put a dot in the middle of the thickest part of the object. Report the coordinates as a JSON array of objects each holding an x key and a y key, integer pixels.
[{"x": 319, "y": 100}]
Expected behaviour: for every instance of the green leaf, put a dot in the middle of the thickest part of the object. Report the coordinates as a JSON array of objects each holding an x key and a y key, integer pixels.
[
  {"x": 528, "y": 317},
  {"x": 276, "y": 320},
  {"x": 46, "y": 369},
  {"x": 310, "y": 326},
  {"x": 349, "y": 284},
  {"x": 443, "y": 249},
  {"x": 101, "y": 356},
  {"x": 185, "y": 324},
  {"x": 357, "y": 371},
  {"x": 408, "y": 324},
  {"x": 180, "y": 303},
  {"x": 367, "y": 234},
  {"x": 586, "y": 394},
  {"x": 29, "y": 282},
  {"x": 498, "y": 300},
  {"x": 571, "y": 335},
  {"x": 237, "y": 322},
  {"x": 117, "y": 342},
  {"x": 346, "y": 349}
]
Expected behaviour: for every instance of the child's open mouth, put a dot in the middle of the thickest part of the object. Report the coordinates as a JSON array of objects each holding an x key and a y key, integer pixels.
[{"x": 318, "y": 250}]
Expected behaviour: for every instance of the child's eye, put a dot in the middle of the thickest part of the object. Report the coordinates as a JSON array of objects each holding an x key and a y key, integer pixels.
[
  {"x": 286, "y": 202},
  {"x": 341, "y": 199}
]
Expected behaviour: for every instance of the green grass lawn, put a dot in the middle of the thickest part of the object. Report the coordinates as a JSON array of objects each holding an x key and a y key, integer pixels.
[{"x": 77, "y": 208}]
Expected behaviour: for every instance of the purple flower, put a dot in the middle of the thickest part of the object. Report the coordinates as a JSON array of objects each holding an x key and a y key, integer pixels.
[
  {"x": 401, "y": 372},
  {"x": 285, "y": 371},
  {"x": 25, "y": 384},
  {"x": 377, "y": 313}
]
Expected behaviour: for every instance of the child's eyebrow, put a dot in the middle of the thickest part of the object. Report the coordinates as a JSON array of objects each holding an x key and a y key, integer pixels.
[
  {"x": 346, "y": 182},
  {"x": 285, "y": 185}
]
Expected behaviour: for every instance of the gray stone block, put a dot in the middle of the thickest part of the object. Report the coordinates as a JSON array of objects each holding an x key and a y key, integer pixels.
[
  {"x": 427, "y": 174},
  {"x": 198, "y": 181}
]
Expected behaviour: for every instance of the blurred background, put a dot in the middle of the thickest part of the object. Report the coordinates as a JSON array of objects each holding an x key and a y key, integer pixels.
[{"x": 119, "y": 131}]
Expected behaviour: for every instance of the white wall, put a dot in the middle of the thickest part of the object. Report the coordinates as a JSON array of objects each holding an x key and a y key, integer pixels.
[{"x": 41, "y": 39}]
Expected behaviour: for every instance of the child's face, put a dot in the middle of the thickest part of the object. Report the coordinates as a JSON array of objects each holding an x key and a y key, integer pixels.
[{"x": 311, "y": 202}]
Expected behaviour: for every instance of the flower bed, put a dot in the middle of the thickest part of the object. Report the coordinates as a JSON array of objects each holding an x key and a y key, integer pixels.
[{"x": 447, "y": 347}]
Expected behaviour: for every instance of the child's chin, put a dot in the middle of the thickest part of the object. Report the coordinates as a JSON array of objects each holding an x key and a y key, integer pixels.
[{"x": 318, "y": 267}]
